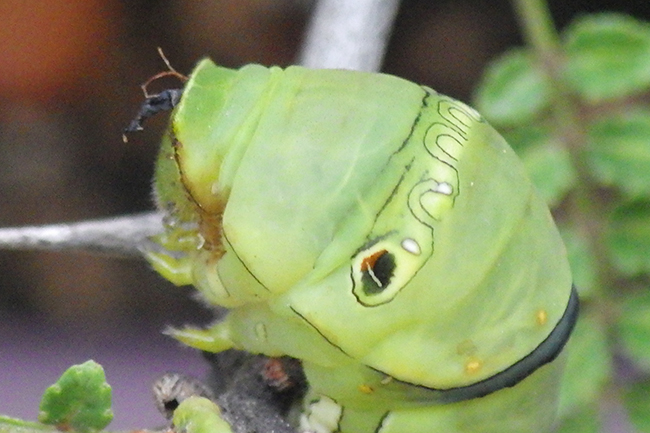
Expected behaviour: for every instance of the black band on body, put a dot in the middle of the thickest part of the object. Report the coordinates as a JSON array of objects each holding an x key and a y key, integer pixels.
[{"x": 547, "y": 351}]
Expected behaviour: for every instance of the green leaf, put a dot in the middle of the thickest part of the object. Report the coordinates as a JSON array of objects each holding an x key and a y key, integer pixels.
[
  {"x": 583, "y": 261},
  {"x": 585, "y": 420},
  {"x": 547, "y": 162},
  {"x": 629, "y": 238},
  {"x": 513, "y": 91},
  {"x": 619, "y": 152},
  {"x": 637, "y": 402},
  {"x": 608, "y": 56},
  {"x": 199, "y": 415},
  {"x": 634, "y": 329},
  {"x": 588, "y": 368},
  {"x": 79, "y": 400}
]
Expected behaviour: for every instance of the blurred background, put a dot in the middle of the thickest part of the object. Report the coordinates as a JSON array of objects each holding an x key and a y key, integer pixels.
[{"x": 70, "y": 72}]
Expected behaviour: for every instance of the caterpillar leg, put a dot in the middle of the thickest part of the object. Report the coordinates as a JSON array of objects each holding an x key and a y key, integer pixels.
[
  {"x": 215, "y": 339},
  {"x": 199, "y": 415}
]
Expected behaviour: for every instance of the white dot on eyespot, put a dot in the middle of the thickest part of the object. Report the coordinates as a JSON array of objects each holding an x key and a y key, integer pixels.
[
  {"x": 411, "y": 246},
  {"x": 444, "y": 188}
]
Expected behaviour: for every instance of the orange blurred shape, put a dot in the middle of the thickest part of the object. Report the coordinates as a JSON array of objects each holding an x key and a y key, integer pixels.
[{"x": 49, "y": 48}]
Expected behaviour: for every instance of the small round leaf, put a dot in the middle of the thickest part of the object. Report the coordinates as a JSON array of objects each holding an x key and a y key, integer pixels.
[
  {"x": 583, "y": 262},
  {"x": 608, "y": 56},
  {"x": 585, "y": 420},
  {"x": 546, "y": 161},
  {"x": 637, "y": 402},
  {"x": 629, "y": 238},
  {"x": 588, "y": 368},
  {"x": 80, "y": 400},
  {"x": 634, "y": 330},
  {"x": 619, "y": 152},
  {"x": 513, "y": 91}
]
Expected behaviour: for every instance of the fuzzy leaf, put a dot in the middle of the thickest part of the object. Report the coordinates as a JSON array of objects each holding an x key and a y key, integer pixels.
[
  {"x": 637, "y": 402},
  {"x": 546, "y": 161},
  {"x": 585, "y": 420},
  {"x": 608, "y": 56},
  {"x": 513, "y": 90},
  {"x": 634, "y": 329},
  {"x": 619, "y": 153},
  {"x": 80, "y": 400},
  {"x": 629, "y": 238},
  {"x": 588, "y": 368},
  {"x": 583, "y": 261}
]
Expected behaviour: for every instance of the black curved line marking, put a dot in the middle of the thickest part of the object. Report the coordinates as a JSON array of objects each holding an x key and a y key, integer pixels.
[
  {"x": 369, "y": 245},
  {"x": 176, "y": 144},
  {"x": 423, "y": 104},
  {"x": 545, "y": 352},
  {"x": 426, "y": 148},
  {"x": 445, "y": 163},
  {"x": 408, "y": 205},
  {"x": 468, "y": 114},
  {"x": 372, "y": 242},
  {"x": 444, "y": 150},
  {"x": 426, "y": 134},
  {"x": 443, "y": 114},
  {"x": 424, "y": 179},
  {"x": 232, "y": 248},
  {"x": 364, "y": 304},
  {"x": 340, "y": 420},
  {"x": 318, "y": 331},
  {"x": 380, "y": 425},
  {"x": 354, "y": 292},
  {"x": 393, "y": 193},
  {"x": 453, "y": 105}
]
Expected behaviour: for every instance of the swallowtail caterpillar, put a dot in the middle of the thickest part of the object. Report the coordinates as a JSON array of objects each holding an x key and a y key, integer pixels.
[{"x": 383, "y": 234}]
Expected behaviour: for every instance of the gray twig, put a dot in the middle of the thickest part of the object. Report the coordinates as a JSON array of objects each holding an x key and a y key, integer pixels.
[
  {"x": 348, "y": 34},
  {"x": 122, "y": 236}
]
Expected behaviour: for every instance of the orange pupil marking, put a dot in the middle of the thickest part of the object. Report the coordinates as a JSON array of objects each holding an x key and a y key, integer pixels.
[{"x": 369, "y": 262}]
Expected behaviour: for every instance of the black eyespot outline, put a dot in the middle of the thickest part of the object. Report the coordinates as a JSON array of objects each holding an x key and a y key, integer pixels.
[
  {"x": 374, "y": 275},
  {"x": 377, "y": 271}
]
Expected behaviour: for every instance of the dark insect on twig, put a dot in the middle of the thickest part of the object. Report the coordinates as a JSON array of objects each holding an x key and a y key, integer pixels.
[{"x": 156, "y": 102}]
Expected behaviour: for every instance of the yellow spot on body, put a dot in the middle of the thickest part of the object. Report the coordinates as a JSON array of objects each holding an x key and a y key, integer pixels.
[
  {"x": 473, "y": 365},
  {"x": 541, "y": 317},
  {"x": 466, "y": 347},
  {"x": 366, "y": 389}
]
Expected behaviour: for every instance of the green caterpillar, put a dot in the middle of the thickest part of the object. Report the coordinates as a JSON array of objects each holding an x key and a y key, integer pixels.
[{"x": 380, "y": 232}]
